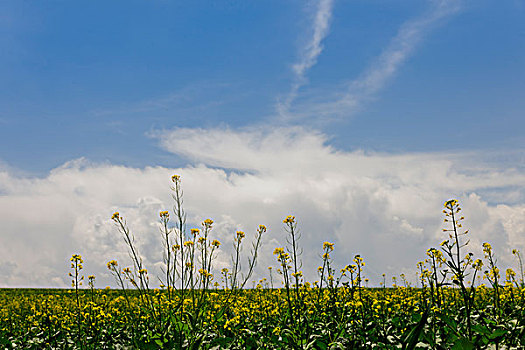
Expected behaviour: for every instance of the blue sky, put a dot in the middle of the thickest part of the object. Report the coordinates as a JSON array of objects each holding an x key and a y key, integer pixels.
[
  {"x": 95, "y": 78},
  {"x": 401, "y": 101}
]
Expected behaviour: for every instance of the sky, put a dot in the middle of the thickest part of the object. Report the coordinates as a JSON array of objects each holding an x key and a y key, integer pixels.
[{"x": 360, "y": 118}]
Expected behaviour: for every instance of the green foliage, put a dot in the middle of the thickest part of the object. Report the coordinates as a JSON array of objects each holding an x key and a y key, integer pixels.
[{"x": 258, "y": 319}]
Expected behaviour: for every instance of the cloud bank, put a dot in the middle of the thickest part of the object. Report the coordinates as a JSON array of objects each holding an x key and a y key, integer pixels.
[{"x": 385, "y": 207}]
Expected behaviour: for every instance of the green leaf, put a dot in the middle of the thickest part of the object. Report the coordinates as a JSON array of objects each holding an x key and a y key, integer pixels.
[
  {"x": 4, "y": 340},
  {"x": 480, "y": 329},
  {"x": 449, "y": 321},
  {"x": 223, "y": 342},
  {"x": 410, "y": 341},
  {"x": 182, "y": 326},
  {"x": 497, "y": 333},
  {"x": 290, "y": 337},
  {"x": 463, "y": 344},
  {"x": 317, "y": 344},
  {"x": 336, "y": 345}
]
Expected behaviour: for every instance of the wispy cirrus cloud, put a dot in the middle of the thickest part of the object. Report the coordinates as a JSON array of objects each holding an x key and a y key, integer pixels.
[
  {"x": 197, "y": 96},
  {"x": 309, "y": 53},
  {"x": 381, "y": 71}
]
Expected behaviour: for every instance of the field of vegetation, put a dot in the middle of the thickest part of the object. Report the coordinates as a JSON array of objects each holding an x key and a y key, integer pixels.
[{"x": 461, "y": 302}]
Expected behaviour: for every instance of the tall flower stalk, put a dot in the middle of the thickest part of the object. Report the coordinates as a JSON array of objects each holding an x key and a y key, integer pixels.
[
  {"x": 76, "y": 282},
  {"x": 458, "y": 264}
]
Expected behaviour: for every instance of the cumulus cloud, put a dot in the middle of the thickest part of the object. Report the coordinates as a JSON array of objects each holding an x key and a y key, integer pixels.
[{"x": 385, "y": 207}]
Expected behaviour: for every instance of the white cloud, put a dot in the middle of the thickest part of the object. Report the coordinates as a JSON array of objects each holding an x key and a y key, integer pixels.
[
  {"x": 184, "y": 100},
  {"x": 385, "y": 207},
  {"x": 309, "y": 53},
  {"x": 383, "y": 68}
]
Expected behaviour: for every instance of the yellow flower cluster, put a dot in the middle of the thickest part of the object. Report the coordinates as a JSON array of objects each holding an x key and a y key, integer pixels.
[
  {"x": 240, "y": 235},
  {"x": 478, "y": 264},
  {"x": 359, "y": 260},
  {"x": 278, "y": 251},
  {"x": 207, "y": 223},
  {"x": 451, "y": 204},
  {"x": 289, "y": 219},
  {"x": 328, "y": 246},
  {"x": 77, "y": 257},
  {"x": 204, "y": 273}
]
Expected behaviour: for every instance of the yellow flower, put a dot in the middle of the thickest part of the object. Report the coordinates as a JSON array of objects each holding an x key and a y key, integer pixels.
[
  {"x": 262, "y": 228},
  {"x": 289, "y": 219},
  {"x": 143, "y": 271},
  {"x": 188, "y": 243},
  {"x": 164, "y": 214},
  {"x": 112, "y": 263},
  {"x": 216, "y": 243},
  {"x": 328, "y": 246},
  {"x": 487, "y": 248},
  {"x": 175, "y": 178},
  {"x": 240, "y": 235},
  {"x": 78, "y": 258},
  {"x": 278, "y": 251},
  {"x": 450, "y": 204},
  {"x": 207, "y": 223},
  {"x": 510, "y": 274},
  {"x": 115, "y": 216},
  {"x": 195, "y": 231}
]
